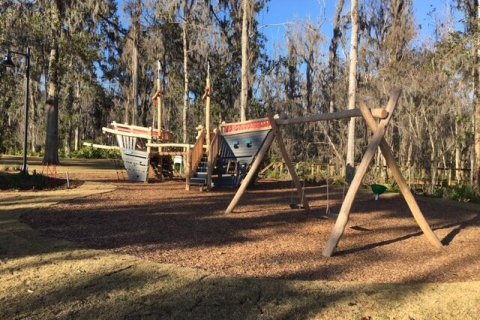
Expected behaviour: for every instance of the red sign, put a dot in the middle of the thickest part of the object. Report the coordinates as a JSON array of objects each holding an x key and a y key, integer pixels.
[{"x": 258, "y": 125}]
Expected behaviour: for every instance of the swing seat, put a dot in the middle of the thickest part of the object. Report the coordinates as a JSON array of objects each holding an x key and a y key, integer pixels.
[
  {"x": 296, "y": 206},
  {"x": 378, "y": 189}
]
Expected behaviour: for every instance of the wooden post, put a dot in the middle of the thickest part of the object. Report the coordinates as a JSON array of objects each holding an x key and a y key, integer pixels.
[
  {"x": 188, "y": 166},
  {"x": 288, "y": 162},
  {"x": 344, "y": 213},
  {"x": 207, "y": 126},
  {"x": 397, "y": 175},
  {"x": 149, "y": 149},
  {"x": 251, "y": 173},
  {"x": 159, "y": 101}
]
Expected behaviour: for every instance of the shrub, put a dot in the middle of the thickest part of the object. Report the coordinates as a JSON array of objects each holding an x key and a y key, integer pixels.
[
  {"x": 457, "y": 193},
  {"x": 95, "y": 153}
]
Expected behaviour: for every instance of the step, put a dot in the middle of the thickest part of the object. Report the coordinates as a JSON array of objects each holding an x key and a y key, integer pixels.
[
  {"x": 202, "y": 175},
  {"x": 198, "y": 181}
]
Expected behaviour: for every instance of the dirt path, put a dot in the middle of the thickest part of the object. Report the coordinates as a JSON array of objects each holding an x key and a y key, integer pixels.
[{"x": 46, "y": 278}]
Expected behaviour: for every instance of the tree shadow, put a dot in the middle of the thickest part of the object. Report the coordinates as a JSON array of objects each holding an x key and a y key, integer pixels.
[{"x": 188, "y": 227}]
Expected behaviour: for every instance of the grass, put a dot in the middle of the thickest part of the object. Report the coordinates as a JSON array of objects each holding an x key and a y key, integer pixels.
[{"x": 47, "y": 278}]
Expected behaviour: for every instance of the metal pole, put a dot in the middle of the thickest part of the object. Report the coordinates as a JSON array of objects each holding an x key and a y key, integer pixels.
[{"x": 27, "y": 91}]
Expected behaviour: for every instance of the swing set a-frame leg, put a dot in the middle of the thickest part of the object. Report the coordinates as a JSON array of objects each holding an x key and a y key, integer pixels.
[
  {"x": 402, "y": 184},
  {"x": 288, "y": 162},
  {"x": 376, "y": 141}
]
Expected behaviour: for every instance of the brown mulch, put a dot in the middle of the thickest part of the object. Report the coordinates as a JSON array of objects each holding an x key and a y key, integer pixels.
[{"x": 265, "y": 238}]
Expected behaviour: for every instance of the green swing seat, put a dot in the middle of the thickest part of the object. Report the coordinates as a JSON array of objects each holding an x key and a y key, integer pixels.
[{"x": 378, "y": 189}]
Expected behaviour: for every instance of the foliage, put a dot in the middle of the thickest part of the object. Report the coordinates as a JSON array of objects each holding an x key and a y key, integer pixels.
[
  {"x": 457, "y": 193},
  {"x": 432, "y": 128},
  {"x": 95, "y": 153}
]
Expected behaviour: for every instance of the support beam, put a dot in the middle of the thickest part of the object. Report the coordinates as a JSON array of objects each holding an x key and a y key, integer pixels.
[
  {"x": 100, "y": 146},
  {"x": 344, "y": 213},
  {"x": 169, "y": 145},
  {"x": 125, "y": 133},
  {"x": 251, "y": 173},
  {"x": 379, "y": 113},
  {"x": 188, "y": 167},
  {"x": 288, "y": 162},
  {"x": 402, "y": 184}
]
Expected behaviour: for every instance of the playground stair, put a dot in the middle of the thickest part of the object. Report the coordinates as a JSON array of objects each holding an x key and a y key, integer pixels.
[
  {"x": 199, "y": 178},
  {"x": 224, "y": 174}
]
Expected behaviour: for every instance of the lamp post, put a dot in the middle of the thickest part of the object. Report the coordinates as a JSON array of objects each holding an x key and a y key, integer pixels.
[{"x": 7, "y": 62}]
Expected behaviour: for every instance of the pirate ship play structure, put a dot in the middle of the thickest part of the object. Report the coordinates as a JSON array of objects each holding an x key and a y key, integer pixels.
[
  {"x": 232, "y": 154},
  {"x": 220, "y": 157}
]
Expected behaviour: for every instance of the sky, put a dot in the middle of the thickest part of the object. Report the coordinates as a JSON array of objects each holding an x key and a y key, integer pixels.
[{"x": 274, "y": 19}]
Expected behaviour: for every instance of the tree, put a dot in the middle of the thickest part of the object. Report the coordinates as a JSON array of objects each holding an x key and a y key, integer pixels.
[
  {"x": 51, "y": 142},
  {"x": 187, "y": 6},
  {"x": 245, "y": 59},
  {"x": 471, "y": 11},
  {"x": 332, "y": 55},
  {"x": 352, "y": 88}
]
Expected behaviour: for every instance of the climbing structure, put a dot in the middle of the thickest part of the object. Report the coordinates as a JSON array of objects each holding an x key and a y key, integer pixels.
[
  {"x": 146, "y": 151},
  {"x": 234, "y": 147},
  {"x": 376, "y": 141}
]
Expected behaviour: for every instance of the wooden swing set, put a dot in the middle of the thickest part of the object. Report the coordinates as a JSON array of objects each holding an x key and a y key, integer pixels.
[{"x": 377, "y": 140}]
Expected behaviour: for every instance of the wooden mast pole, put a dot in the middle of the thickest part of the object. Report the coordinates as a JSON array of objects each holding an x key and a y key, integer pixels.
[
  {"x": 159, "y": 100},
  {"x": 208, "y": 91}
]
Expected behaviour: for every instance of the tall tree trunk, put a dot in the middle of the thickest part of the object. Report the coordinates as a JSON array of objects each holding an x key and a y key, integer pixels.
[
  {"x": 185, "y": 71},
  {"x": 245, "y": 61},
  {"x": 134, "y": 83},
  {"x": 332, "y": 56},
  {"x": 352, "y": 88},
  {"x": 458, "y": 174},
  {"x": 33, "y": 103},
  {"x": 76, "y": 139},
  {"x": 476, "y": 121},
  {"x": 135, "y": 40},
  {"x": 51, "y": 139},
  {"x": 309, "y": 76}
]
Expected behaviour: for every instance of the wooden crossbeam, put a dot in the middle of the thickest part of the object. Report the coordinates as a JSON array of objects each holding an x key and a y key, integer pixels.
[
  {"x": 124, "y": 133},
  {"x": 170, "y": 145},
  {"x": 375, "y": 141},
  {"x": 379, "y": 113},
  {"x": 100, "y": 146},
  {"x": 169, "y": 153}
]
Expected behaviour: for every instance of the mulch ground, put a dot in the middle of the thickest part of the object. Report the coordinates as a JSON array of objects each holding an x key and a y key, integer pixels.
[{"x": 265, "y": 238}]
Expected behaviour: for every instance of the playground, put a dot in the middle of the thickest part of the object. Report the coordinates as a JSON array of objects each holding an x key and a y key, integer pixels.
[
  {"x": 232, "y": 249},
  {"x": 176, "y": 254},
  {"x": 265, "y": 238}
]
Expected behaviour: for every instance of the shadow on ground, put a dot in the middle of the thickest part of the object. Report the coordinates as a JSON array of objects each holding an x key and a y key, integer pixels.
[{"x": 265, "y": 237}]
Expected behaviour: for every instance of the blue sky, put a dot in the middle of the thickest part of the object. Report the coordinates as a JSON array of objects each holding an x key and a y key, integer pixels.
[{"x": 280, "y": 12}]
